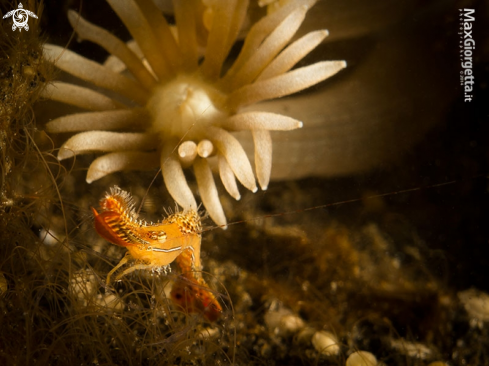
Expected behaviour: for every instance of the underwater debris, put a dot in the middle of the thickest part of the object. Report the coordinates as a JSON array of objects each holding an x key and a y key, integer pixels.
[
  {"x": 411, "y": 349},
  {"x": 476, "y": 303},
  {"x": 84, "y": 287}
]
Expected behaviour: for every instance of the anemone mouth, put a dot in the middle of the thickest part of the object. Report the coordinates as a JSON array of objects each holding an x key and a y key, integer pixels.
[
  {"x": 183, "y": 108},
  {"x": 179, "y": 97}
]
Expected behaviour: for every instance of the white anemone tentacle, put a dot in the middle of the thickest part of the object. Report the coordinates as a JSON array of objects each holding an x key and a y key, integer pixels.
[
  {"x": 142, "y": 32},
  {"x": 113, "y": 45},
  {"x": 293, "y": 54},
  {"x": 162, "y": 31},
  {"x": 288, "y": 83},
  {"x": 208, "y": 191},
  {"x": 261, "y": 121},
  {"x": 175, "y": 179},
  {"x": 216, "y": 53},
  {"x": 235, "y": 155},
  {"x": 92, "y": 141},
  {"x": 270, "y": 47},
  {"x": 228, "y": 178},
  {"x": 187, "y": 151},
  {"x": 95, "y": 73},
  {"x": 119, "y": 161},
  {"x": 259, "y": 31},
  {"x": 79, "y": 96},
  {"x": 105, "y": 120},
  {"x": 263, "y": 156},
  {"x": 187, "y": 35}
]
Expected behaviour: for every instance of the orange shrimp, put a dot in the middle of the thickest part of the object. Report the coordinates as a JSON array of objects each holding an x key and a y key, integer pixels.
[{"x": 155, "y": 246}]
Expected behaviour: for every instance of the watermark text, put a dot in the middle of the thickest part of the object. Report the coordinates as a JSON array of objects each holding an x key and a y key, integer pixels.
[{"x": 467, "y": 46}]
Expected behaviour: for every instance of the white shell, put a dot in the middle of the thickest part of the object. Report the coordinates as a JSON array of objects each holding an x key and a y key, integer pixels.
[
  {"x": 325, "y": 343},
  {"x": 361, "y": 358}
]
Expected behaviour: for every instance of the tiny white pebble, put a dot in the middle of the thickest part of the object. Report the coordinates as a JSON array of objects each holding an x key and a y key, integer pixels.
[
  {"x": 209, "y": 333},
  {"x": 476, "y": 303},
  {"x": 361, "y": 358},
  {"x": 283, "y": 321},
  {"x": 291, "y": 323},
  {"x": 49, "y": 237},
  {"x": 325, "y": 343},
  {"x": 110, "y": 301},
  {"x": 411, "y": 349}
]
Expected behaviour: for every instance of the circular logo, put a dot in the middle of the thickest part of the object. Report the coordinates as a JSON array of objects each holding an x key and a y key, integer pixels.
[{"x": 20, "y": 17}]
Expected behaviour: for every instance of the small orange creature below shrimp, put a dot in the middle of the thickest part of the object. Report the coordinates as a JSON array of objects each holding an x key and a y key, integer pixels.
[{"x": 153, "y": 246}]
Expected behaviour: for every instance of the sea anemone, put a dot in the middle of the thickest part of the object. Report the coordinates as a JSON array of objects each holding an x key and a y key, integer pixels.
[{"x": 183, "y": 103}]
